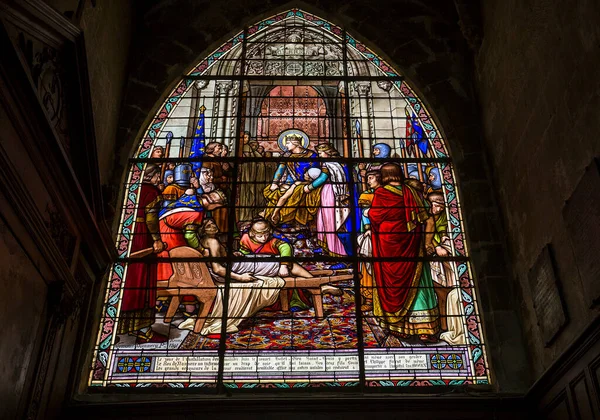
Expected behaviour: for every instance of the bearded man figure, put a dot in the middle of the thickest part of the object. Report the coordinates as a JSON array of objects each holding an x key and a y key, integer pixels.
[
  {"x": 139, "y": 291},
  {"x": 404, "y": 299},
  {"x": 219, "y": 178}
]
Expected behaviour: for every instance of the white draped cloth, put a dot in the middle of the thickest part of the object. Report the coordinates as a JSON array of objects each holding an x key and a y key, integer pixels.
[
  {"x": 443, "y": 273},
  {"x": 245, "y": 299},
  {"x": 365, "y": 249},
  {"x": 456, "y": 330}
]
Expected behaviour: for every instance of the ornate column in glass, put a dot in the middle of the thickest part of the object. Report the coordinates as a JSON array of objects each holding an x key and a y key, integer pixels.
[
  {"x": 223, "y": 88},
  {"x": 364, "y": 90}
]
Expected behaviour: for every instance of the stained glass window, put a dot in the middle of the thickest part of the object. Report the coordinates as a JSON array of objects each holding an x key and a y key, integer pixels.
[{"x": 290, "y": 220}]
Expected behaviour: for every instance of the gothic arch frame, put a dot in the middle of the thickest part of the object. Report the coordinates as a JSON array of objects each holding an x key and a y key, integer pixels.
[{"x": 466, "y": 160}]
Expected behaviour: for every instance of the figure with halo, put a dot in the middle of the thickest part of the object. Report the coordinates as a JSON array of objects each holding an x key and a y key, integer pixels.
[{"x": 294, "y": 196}]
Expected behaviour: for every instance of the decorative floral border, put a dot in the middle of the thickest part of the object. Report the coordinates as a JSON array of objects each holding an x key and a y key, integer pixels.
[
  {"x": 172, "y": 385},
  {"x": 105, "y": 336}
]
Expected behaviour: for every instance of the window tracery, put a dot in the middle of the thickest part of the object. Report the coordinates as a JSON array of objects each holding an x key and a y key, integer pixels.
[{"x": 293, "y": 224}]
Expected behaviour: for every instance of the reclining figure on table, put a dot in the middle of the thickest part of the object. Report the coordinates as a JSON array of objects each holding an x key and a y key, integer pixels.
[
  {"x": 259, "y": 241},
  {"x": 254, "y": 285}
]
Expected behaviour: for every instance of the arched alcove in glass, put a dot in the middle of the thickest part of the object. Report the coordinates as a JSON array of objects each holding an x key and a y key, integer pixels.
[{"x": 290, "y": 219}]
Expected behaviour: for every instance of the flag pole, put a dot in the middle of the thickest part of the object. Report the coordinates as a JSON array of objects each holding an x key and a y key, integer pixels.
[
  {"x": 361, "y": 153},
  {"x": 164, "y": 165}
]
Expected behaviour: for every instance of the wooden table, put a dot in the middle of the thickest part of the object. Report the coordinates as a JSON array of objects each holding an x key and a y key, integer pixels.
[{"x": 313, "y": 286}]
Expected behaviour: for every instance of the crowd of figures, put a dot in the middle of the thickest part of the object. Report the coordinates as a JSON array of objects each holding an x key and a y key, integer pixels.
[
  {"x": 405, "y": 220},
  {"x": 307, "y": 204}
]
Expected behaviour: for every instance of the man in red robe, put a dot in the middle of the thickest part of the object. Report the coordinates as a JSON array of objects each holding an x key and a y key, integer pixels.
[
  {"x": 221, "y": 181},
  {"x": 402, "y": 231},
  {"x": 139, "y": 293}
]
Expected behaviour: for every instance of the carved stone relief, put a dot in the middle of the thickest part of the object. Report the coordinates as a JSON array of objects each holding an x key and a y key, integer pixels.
[{"x": 43, "y": 63}]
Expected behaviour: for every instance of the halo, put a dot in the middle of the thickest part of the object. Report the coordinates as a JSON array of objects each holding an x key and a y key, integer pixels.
[{"x": 283, "y": 134}]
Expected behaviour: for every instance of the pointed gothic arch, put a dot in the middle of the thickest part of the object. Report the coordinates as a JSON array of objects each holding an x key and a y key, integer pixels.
[{"x": 369, "y": 104}]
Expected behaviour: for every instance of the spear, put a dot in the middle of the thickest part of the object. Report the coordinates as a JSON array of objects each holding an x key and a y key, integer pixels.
[{"x": 169, "y": 137}]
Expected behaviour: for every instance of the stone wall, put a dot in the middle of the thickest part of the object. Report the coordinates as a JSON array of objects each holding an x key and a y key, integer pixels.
[
  {"x": 540, "y": 97},
  {"x": 24, "y": 294},
  {"x": 51, "y": 249},
  {"x": 107, "y": 28},
  {"x": 23, "y": 278}
]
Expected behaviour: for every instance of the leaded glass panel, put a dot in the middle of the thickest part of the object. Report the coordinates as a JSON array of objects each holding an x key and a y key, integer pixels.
[{"x": 291, "y": 219}]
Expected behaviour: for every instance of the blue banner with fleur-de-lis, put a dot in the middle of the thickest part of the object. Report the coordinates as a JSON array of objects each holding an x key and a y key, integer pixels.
[{"x": 198, "y": 143}]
